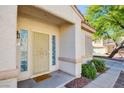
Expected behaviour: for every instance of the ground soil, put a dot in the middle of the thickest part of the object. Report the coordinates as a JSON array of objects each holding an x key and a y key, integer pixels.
[{"x": 78, "y": 83}]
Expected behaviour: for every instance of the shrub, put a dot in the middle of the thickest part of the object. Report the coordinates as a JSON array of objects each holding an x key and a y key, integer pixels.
[
  {"x": 99, "y": 65},
  {"x": 88, "y": 71}
]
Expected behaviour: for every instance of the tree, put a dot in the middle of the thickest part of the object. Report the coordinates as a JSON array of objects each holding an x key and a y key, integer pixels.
[{"x": 108, "y": 20}]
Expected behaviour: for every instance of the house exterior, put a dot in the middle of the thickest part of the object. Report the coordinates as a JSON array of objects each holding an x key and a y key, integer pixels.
[
  {"x": 105, "y": 47},
  {"x": 99, "y": 47},
  {"x": 36, "y": 40}
]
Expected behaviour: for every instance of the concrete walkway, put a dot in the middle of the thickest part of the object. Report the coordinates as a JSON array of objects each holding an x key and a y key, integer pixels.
[
  {"x": 57, "y": 79},
  {"x": 107, "y": 79}
]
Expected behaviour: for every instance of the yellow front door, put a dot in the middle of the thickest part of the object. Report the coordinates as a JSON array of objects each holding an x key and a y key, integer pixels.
[{"x": 40, "y": 51}]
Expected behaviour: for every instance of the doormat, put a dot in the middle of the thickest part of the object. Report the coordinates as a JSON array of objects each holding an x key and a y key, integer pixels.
[{"x": 41, "y": 78}]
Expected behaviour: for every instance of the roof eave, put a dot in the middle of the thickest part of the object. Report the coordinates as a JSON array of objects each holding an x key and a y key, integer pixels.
[
  {"x": 84, "y": 25},
  {"x": 87, "y": 28}
]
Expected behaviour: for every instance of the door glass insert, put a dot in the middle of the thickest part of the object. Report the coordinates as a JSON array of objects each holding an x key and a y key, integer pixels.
[
  {"x": 53, "y": 50},
  {"x": 23, "y": 50}
]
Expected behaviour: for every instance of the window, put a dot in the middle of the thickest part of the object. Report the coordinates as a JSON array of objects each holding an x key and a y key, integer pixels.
[
  {"x": 88, "y": 46},
  {"x": 53, "y": 50},
  {"x": 23, "y": 50}
]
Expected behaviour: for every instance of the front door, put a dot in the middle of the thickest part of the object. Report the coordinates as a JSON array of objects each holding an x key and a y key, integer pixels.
[{"x": 40, "y": 53}]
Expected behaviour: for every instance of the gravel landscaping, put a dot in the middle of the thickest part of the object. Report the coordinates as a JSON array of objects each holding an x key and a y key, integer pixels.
[{"x": 78, "y": 83}]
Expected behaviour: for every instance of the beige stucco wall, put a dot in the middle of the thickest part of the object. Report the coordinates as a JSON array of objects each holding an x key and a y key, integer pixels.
[
  {"x": 8, "y": 42},
  {"x": 70, "y": 37},
  {"x": 67, "y": 40},
  {"x": 99, "y": 50},
  {"x": 78, "y": 54},
  {"x": 98, "y": 47},
  {"x": 70, "y": 47},
  {"x": 7, "y": 37},
  {"x": 83, "y": 42},
  {"x": 88, "y": 44},
  {"x": 33, "y": 24},
  {"x": 87, "y": 48},
  {"x": 68, "y": 32},
  {"x": 9, "y": 83},
  {"x": 98, "y": 43},
  {"x": 63, "y": 11},
  {"x": 67, "y": 48}
]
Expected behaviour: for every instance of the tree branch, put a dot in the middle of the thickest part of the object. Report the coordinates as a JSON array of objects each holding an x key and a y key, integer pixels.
[{"x": 119, "y": 23}]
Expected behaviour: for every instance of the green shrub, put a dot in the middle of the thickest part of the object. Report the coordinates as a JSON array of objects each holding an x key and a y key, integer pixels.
[
  {"x": 88, "y": 71},
  {"x": 99, "y": 65}
]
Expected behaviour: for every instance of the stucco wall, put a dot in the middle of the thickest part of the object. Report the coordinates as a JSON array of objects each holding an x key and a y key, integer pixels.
[
  {"x": 9, "y": 83},
  {"x": 75, "y": 51},
  {"x": 67, "y": 41},
  {"x": 87, "y": 48},
  {"x": 8, "y": 42},
  {"x": 88, "y": 44},
  {"x": 83, "y": 42},
  {"x": 98, "y": 47},
  {"x": 7, "y": 37},
  {"x": 70, "y": 36},
  {"x": 33, "y": 24},
  {"x": 67, "y": 48},
  {"x": 99, "y": 50},
  {"x": 98, "y": 43},
  {"x": 78, "y": 54},
  {"x": 70, "y": 46},
  {"x": 63, "y": 11}
]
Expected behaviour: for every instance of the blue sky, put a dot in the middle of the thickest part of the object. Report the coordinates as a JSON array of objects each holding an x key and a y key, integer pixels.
[{"x": 82, "y": 8}]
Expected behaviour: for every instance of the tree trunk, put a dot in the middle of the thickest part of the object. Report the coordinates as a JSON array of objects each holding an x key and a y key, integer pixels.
[{"x": 115, "y": 51}]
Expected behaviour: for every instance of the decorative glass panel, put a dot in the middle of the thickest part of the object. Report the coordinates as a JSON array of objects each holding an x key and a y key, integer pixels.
[
  {"x": 53, "y": 50},
  {"x": 23, "y": 49}
]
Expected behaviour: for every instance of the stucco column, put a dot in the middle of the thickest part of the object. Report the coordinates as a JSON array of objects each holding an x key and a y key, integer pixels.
[
  {"x": 69, "y": 63},
  {"x": 79, "y": 51},
  {"x": 8, "y": 70}
]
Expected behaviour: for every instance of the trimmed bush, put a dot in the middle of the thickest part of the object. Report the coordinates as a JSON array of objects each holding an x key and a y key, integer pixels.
[
  {"x": 99, "y": 65},
  {"x": 88, "y": 71}
]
